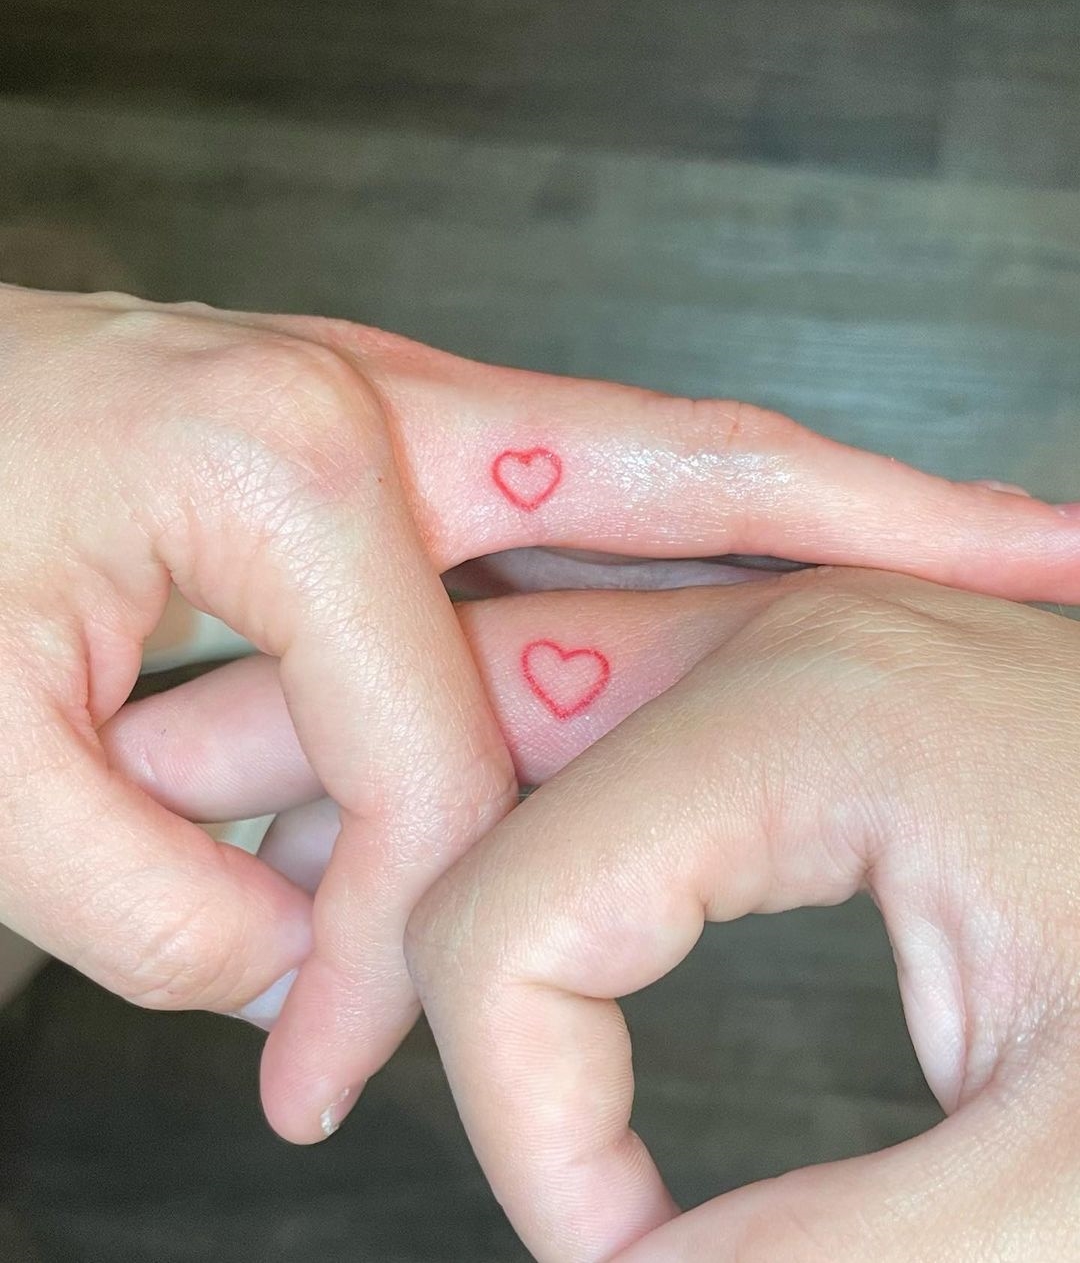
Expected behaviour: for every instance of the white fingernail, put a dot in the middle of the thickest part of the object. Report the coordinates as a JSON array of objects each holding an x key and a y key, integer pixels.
[
  {"x": 330, "y": 1118},
  {"x": 1010, "y": 488},
  {"x": 265, "y": 1009}
]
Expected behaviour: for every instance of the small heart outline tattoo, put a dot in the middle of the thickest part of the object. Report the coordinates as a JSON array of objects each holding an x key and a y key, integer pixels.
[
  {"x": 527, "y": 478},
  {"x": 562, "y": 702}
]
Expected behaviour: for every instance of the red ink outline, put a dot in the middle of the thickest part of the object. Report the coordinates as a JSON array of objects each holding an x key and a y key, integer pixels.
[
  {"x": 564, "y": 712},
  {"x": 526, "y": 458}
]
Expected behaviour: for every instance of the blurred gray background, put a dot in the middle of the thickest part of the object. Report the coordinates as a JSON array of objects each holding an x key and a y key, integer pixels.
[{"x": 865, "y": 213}]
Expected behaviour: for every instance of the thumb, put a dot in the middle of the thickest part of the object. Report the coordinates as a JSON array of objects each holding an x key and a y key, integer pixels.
[{"x": 993, "y": 1181}]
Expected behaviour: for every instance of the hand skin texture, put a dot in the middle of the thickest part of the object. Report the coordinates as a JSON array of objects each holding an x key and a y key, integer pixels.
[
  {"x": 308, "y": 482},
  {"x": 850, "y": 730},
  {"x": 832, "y": 730}
]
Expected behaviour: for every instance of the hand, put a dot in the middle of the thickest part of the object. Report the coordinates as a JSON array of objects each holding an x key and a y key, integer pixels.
[
  {"x": 847, "y": 730},
  {"x": 228, "y": 745},
  {"x": 307, "y": 481}
]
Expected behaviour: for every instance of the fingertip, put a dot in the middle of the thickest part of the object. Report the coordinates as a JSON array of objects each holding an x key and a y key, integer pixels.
[
  {"x": 306, "y": 1132},
  {"x": 334, "y": 1114},
  {"x": 314, "y": 1066},
  {"x": 302, "y": 1115},
  {"x": 219, "y": 747}
]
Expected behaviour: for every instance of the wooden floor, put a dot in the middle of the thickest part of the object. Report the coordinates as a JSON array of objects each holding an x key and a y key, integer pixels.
[{"x": 864, "y": 212}]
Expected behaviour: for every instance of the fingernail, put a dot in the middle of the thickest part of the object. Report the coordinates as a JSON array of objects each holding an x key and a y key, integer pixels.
[
  {"x": 1068, "y": 510},
  {"x": 1010, "y": 488},
  {"x": 335, "y": 1113},
  {"x": 265, "y": 1009}
]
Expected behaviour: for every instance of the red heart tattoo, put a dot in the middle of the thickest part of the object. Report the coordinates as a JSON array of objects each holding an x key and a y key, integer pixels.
[
  {"x": 565, "y": 680},
  {"x": 527, "y": 478}
]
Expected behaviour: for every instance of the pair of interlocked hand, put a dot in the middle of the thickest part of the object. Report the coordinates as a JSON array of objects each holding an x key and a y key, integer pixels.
[{"x": 781, "y": 742}]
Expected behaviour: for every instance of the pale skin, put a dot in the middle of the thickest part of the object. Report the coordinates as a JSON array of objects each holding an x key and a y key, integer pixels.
[
  {"x": 848, "y": 731},
  {"x": 829, "y": 731},
  {"x": 308, "y": 482}
]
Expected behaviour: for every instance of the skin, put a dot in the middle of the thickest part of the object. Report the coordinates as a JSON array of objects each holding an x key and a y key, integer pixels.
[
  {"x": 308, "y": 482},
  {"x": 763, "y": 776},
  {"x": 848, "y": 731}
]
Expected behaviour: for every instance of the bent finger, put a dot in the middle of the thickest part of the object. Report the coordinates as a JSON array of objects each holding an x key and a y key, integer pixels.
[
  {"x": 143, "y": 902},
  {"x": 220, "y": 747}
]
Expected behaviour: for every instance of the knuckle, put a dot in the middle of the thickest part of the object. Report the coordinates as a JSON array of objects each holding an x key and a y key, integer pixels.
[
  {"x": 847, "y": 612},
  {"x": 141, "y": 333},
  {"x": 304, "y": 386},
  {"x": 311, "y": 412},
  {"x": 809, "y": 607},
  {"x": 847, "y": 656},
  {"x": 290, "y": 368},
  {"x": 191, "y": 958},
  {"x": 273, "y": 433},
  {"x": 859, "y": 667},
  {"x": 727, "y": 423}
]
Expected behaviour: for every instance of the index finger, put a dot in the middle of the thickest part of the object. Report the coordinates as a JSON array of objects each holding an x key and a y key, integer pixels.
[{"x": 500, "y": 458}]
